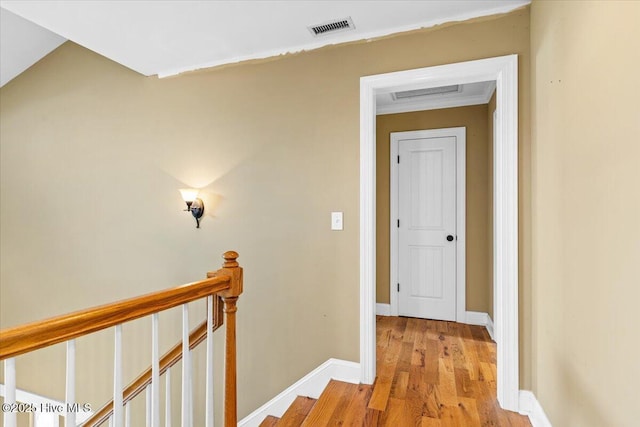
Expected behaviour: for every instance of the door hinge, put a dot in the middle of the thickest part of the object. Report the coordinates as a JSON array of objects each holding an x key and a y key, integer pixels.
[
  {"x": 398, "y": 159},
  {"x": 398, "y": 287}
]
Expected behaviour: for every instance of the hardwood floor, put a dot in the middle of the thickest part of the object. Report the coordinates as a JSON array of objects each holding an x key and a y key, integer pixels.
[
  {"x": 430, "y": 374},
  {"x": 433, "y": 373}
]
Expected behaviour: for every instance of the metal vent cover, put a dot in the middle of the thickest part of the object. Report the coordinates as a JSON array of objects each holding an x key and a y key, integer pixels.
[
  {"x": 333, "y": 26},
  {"x": 425, "y": 92}
]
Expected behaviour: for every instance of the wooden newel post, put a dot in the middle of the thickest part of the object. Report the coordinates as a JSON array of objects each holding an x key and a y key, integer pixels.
[{"x": 229, "y": 297}]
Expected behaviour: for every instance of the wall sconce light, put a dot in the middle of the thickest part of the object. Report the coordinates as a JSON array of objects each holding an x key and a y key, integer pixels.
[{"x": 194, "y": 204}]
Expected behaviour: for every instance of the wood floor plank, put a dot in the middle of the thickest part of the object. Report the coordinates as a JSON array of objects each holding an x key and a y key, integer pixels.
[
  {"x": 297, "y": 412},
  {"x": 447, "y": 382},
  {"x": 431, "y": 365},
  {"x": 419, "y": 349},
  {"x": 464, "y": 384},
  {"x": 432, "y": 406},
  {"x": 415, "y": 402},
  {"x": 469, "y": 345},
  {"x": 347, "y": 398},
  {"x": 405, "y": 358},
  {"x": 457, "y": 354},
  {"x": 270, "y": 421},
  {"x": 488, "y": 408},
  {"x": 356, "y": 412},
  {"x": 381, "y": 392},
  {"x": 396, "y": 414},
  {"x": 372, "y": 418},
  {"x": 488, "y": 374},
  {"x": 469, "y": 411},
  {"x": 399, "y": 390},
  {"x": 323, "y": 410},
  {"x": 411, "y": 330},
  {"x": 452, "y": 417},
  {"x": 387, "y": 367},
  {"x": 430, "y": 422}
]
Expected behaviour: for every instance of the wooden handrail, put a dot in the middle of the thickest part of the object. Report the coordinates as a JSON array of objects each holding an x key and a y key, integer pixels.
[
  {"x": 170, "y": 358},
  {"x": 37, "y": 335},
  {"x": 224, "y": 284}
]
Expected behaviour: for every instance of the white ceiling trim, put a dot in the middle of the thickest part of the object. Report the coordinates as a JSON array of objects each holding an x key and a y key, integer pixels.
[
  {"x": 507, "y": 7},
  {"x": 438, "y": 102}
]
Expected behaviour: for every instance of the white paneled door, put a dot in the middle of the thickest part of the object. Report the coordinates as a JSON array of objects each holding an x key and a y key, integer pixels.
[{"x": 426, "y": 224}]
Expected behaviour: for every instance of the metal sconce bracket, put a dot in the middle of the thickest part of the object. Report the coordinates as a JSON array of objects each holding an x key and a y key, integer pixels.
[{"x": 196, "y": 207}]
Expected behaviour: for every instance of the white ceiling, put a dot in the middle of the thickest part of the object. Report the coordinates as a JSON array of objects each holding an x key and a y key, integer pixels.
[
  {"x": 169, "y": 37},
  {"x": 34, "y": 43}
]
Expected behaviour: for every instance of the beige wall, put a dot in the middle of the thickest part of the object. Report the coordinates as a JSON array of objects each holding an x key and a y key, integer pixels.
[
  {"x": 92, "y": 155},
  {"x": 586, "y": 241},
  {"x": 474, "y": 118}
]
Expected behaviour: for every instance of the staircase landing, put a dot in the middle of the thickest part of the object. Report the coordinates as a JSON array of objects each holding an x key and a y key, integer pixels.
[{"x": 430, "y": 374}]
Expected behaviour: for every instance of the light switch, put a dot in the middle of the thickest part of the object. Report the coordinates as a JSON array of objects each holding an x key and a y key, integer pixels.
[{"x": 336, "y": 221}]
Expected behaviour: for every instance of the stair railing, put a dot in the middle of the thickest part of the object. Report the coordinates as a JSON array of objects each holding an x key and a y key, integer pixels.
[{"x": 221, "y": 290}]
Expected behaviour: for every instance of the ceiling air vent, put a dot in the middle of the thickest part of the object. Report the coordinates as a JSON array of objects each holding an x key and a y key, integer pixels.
[
  {"x": 333, "y": 26},
  {"x": 425, "y": 92}
]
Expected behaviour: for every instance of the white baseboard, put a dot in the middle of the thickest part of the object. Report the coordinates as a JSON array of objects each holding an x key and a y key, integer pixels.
[
  {"x": 530, "y": 407},
  {"x": 310, "y": 385},
  {"x": 383, "y": 309},
  {"x": 471, "y": 317},
  {"x": 481, "y": 319}
]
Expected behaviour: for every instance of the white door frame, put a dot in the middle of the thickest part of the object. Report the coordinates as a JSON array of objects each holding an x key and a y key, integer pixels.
[
  {"x": 461, "y": 214},
  {"x": 504, "y": 70}
]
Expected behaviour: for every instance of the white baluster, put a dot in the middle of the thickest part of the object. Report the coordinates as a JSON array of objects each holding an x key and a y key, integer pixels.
[
  {"x": 209, "y": 380},
  {"x": 117, "y": 378},
  {"x": 111, "y": 421},
  {"x": 10, "y": 417},
  {"x": 127, "y": 414},
  {"x": 70, "y": 398},
  {"x": 190, "y": 393},
  {"x": 167, "y": 399},
  {"x": 147, "y": 398},
  {"x": 155, "y": 373},
  {"x": 186, "y": 369},
  {"x": 46, "y": 419}
]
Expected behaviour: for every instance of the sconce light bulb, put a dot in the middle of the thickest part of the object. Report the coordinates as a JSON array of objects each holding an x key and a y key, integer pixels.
[{"x": 189, "y": 194}]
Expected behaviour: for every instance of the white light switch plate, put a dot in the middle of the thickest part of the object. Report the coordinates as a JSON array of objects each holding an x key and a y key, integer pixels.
[{"x": 336, "y": 221}]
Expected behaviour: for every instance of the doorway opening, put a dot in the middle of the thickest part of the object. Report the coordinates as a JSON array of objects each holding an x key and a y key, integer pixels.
[{"x": 502, "y": 70}]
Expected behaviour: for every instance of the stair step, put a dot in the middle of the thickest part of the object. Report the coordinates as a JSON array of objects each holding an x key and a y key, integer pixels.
[
  {"x": 297, "y": 412},
  {"x": 341, "y": 404},
  {"x": 270, "y": 421},
  {"x": 357, "y": 412}
]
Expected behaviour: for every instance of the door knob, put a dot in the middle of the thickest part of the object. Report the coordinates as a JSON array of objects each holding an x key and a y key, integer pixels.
[{"x": 449, "y": 238}]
